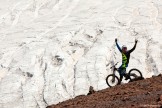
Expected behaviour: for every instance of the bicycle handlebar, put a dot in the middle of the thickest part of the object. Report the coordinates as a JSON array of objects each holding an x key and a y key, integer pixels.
[{"x": 114, "y": 65}]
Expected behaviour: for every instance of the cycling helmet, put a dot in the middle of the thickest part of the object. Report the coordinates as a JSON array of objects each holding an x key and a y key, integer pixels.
[{"x": 124, "y": 46}]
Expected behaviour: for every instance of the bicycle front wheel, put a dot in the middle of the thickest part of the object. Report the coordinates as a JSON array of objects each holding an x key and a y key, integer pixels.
[
  {"x": 112, "y": 80},
  {"x": 135, "y": 74}
]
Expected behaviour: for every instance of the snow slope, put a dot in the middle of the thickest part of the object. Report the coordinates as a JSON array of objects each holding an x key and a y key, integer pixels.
[{"x": 53, "y": 50}]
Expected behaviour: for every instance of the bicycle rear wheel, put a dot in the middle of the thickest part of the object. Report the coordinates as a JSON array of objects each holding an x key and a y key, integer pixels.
[
  {"x": 135, "y": 74},
  {"x": 112, "y": 80}
]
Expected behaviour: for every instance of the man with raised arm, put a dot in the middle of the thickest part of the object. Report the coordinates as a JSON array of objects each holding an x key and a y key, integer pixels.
[{"x": 125, "y": 58}]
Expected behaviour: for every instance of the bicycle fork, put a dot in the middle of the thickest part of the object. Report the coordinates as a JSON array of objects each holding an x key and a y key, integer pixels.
[{"x": 113, "y": 79}]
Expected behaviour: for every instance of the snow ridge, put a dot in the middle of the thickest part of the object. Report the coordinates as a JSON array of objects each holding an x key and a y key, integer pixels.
[{"x": 54, "y": 50}]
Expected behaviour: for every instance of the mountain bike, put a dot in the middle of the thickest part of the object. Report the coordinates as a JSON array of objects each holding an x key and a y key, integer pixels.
[{"x": 112, "y": 79}]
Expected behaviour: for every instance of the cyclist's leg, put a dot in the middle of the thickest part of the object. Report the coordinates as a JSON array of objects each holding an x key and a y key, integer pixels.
[
  {"x": 121, "y": 72},
  {"x": 125, "y": 74}
]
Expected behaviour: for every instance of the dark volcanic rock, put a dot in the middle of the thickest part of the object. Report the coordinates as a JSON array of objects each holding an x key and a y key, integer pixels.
[{"x": 138, "y": 94}]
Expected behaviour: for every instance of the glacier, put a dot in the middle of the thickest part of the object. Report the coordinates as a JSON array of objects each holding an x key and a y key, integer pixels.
[{"x": 54, "y": 50}]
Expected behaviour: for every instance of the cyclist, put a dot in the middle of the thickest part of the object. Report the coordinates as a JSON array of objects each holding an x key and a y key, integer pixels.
[{"x": 125, "y": 58}]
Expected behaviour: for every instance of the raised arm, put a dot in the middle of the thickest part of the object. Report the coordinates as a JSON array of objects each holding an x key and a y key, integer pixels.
[
  {"x": 118, "y": 45},
  {"x": 133, "y": 47}
]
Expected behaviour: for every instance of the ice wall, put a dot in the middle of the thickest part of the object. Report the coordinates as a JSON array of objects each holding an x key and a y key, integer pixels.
[{"x": 53, "y": 50}]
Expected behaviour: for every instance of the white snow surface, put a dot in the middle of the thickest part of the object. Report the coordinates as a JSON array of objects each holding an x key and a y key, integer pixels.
[{"x": 54, "y": 50}]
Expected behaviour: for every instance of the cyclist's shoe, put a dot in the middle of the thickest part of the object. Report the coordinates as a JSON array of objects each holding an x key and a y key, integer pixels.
[{"x": 126, "y": 77}]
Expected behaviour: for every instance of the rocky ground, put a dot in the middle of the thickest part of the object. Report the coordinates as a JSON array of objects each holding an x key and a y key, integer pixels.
[{"x": 138, "y": 94}]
